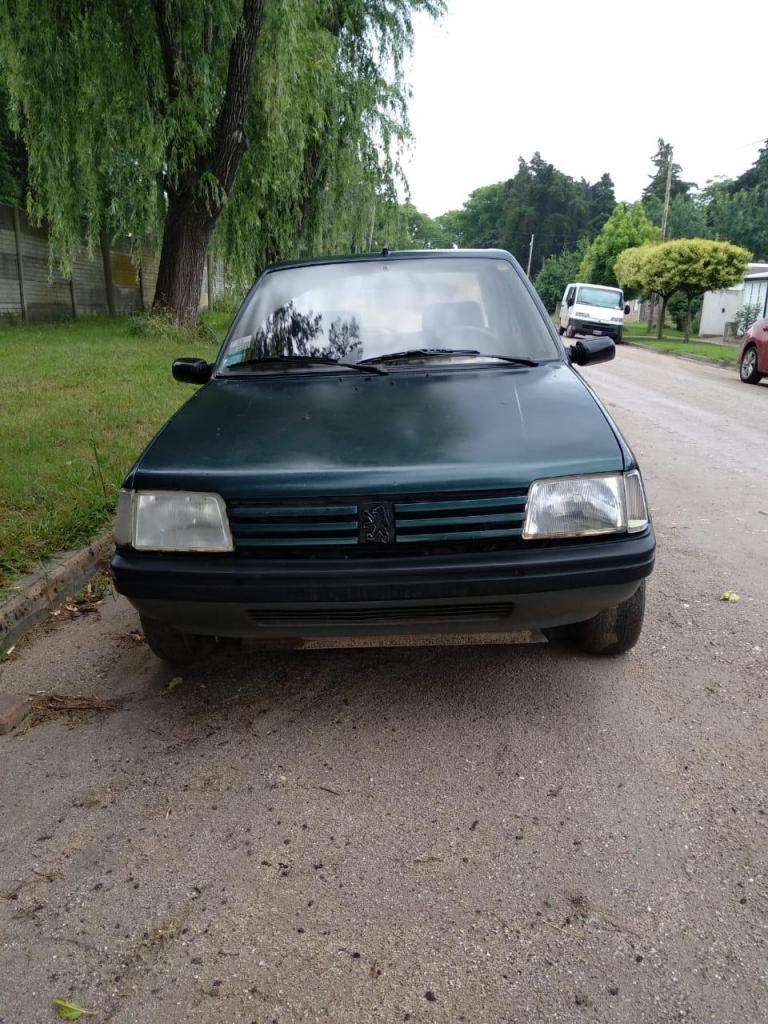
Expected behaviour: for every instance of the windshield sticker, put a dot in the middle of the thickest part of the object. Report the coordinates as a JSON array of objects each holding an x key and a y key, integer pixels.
[{"x": 236, "y": 349}]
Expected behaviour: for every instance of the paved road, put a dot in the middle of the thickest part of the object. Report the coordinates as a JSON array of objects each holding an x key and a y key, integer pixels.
[{"x": 487, "y": 834}]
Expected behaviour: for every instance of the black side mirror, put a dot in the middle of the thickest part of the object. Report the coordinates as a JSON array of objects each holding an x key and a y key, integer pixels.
[
  {"x": 626, "y": 310},
  {"x": 570, "y": 301},
  {"x": 592, "y": 350},
  {"x": 191, "y": 371}
]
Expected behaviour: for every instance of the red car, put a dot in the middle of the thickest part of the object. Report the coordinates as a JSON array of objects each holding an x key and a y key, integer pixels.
[{"x": 753, "y": 361}]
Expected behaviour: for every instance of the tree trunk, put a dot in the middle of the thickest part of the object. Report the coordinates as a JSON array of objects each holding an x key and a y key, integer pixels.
[
  {"x": 186, "y": 235},
  {"x": 662, "y": 317},
  {"x": 688, "y": 299},
  {"x": 651, "y": 309},
  {"x": 191, "y": 218}
]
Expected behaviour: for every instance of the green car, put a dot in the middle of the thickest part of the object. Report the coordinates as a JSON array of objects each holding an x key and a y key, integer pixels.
[{"x": 387, "y": 444}]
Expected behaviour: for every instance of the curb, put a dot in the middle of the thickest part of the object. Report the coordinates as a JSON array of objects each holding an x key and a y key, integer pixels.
[
  {"x": 35, "y": 595},
  {"x": 682, "y": 355}
]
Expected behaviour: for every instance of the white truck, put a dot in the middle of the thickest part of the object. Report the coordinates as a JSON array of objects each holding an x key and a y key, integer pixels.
[{"x": 592, "y": 309}]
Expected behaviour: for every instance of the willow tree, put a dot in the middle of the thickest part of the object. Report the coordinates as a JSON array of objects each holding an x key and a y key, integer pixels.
[{"x": 257, "y": 120}]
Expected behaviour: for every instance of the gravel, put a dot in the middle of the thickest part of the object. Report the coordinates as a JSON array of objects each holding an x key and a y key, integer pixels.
[{"x": 484, "y": 834}]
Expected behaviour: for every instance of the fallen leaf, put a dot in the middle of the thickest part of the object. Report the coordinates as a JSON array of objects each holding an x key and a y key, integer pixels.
[
  {"x": 173, "y": 683},
  {"x": 71, "y": 1011},
  {"x": 730, "y": 595}
]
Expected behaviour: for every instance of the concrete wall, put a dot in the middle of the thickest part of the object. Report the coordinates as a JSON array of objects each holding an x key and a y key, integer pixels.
[
  {"x": 31, "y": 290},
  {"x": 719, "y": 308}
]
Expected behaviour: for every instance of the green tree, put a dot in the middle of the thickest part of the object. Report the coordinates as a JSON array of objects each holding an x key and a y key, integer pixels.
[
  {"x": 737, "y": 209},
  {"x": 450, "y": 223},
  {"x": 688, "y": 265},
  {"x": 556, "y": 272},
  {"x": 627, "y": 227},
  {"x": 480, "y": 221},
  {"x": 274, "y": 122},
  {"x": 635, "y": 270},
  {"x": 601, "y": 202},
  {"x": 677, "y": 308},
  {"x": 416, "y": 230},
  {"x": 13, "y": 157},
  {"x": 538, "y": 200},
  {"x": 687, "y": 218},
  {"x": 655, "y": 190}
]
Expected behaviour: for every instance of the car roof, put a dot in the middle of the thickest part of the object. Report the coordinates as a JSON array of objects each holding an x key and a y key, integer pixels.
[
  {"x": 396, "y": 254},
  {"x": 589, "y": 284}
]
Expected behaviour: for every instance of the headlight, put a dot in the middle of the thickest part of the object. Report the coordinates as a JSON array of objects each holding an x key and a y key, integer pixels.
[
  {"x": 583, "y": 506},
  {"x": 172, "y": 521}
]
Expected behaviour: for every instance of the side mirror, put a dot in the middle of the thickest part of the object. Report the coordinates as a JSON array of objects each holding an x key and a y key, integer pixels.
[
  {"x": 570, "y": 301},
  {"x": 627, "y": 310},
  {"x": 191, "y": 371},
  {"x": 592, "y": 350}
]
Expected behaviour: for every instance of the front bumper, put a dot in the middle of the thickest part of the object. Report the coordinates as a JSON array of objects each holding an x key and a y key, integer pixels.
[
  {"x": 590, "y": 327},
  {"x": 537, "y": 587}
]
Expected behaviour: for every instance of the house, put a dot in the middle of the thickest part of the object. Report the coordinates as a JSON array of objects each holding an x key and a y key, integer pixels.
[{"x": 720, "y": 308}]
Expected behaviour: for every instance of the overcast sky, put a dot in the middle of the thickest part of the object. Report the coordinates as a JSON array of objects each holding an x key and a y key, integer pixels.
[{"x": 591, "y": 84}]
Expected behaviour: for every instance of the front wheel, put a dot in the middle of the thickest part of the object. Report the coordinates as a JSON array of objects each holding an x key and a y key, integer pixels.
[
  {"x": 748, "y": 370},
  {"x": 618, "y": 336},
  {"x": 615, "y": 630},
  {"x": 172, "y": 645},
  {"x": 569, "y": 331}
]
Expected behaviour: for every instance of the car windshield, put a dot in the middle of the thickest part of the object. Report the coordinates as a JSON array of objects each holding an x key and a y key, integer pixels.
[
  {"x": 605, "y": 297},
  {"x": 375, "y": 309}
]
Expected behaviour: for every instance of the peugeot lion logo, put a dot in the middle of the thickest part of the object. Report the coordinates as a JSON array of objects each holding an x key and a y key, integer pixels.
[{"x": 377, "y": 524}]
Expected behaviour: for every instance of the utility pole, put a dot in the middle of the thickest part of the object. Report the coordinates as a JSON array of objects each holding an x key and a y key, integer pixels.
[
  {"x": 664, "y": 220},
  {"x": 530, "y": 255},
  {"x": 667, "y": 192}
]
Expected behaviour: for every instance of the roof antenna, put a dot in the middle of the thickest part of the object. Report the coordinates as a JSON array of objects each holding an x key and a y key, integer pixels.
[{"x": 385, "y": 251}]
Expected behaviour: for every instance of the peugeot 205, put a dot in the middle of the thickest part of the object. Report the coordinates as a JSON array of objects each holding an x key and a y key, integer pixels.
[{"x": 387, "y": 444}]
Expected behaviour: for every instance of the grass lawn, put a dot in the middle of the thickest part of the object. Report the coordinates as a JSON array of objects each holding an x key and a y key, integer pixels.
[
  {"x": 78, "y": 402},
  {"x": 672, "y": 342}
]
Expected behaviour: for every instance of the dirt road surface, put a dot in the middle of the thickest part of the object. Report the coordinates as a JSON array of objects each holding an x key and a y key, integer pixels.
[{"x": 483, "y": 834}]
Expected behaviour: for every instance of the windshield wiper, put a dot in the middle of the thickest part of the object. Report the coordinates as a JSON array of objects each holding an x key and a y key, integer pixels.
[
  {"x": 420, "y": 352},
  {"x": 306, "y": 361}
]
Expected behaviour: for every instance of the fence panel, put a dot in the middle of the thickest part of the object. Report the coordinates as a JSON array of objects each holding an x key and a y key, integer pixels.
[
  {"x": 48, "y": 295},
  {"x": 10, "y": 296}
]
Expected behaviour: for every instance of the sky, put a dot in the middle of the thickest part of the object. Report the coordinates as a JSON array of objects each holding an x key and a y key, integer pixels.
[{"x": 591, "y": 84}]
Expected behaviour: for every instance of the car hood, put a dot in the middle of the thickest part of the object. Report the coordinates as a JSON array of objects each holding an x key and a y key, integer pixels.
[{"x": 302, "y": 435}]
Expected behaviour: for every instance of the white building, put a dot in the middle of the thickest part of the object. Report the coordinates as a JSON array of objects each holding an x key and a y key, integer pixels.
[{"x": 719, "y": 308}]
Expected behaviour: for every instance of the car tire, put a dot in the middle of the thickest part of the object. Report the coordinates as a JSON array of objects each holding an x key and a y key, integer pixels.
[
  {"x": 618, "y": 336},
  {"x": 615, "y": 630},
  {"x": 748, "y": 371},
  {"x": 569, "y": 331},
  {"x": 173, "y": 646},
  {"x": 561, "y": 330}
]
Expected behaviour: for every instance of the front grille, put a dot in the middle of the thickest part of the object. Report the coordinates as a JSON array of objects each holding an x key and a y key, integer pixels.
[
  {"x": 462, "y": 519},
  {"x": 289, "y": 526},
  {"x": 423, "y": 523},
  {"x": 324, "y": 616}
]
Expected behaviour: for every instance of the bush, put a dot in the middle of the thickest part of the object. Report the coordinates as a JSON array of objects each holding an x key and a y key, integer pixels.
[
  {"x": 228, "y": 302},
  {"x": 556, "y": 272},
  {"x": 676, "y": 310},
  {"x": 746, "y": 315},
  {"x": 160, "y": 326}
]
